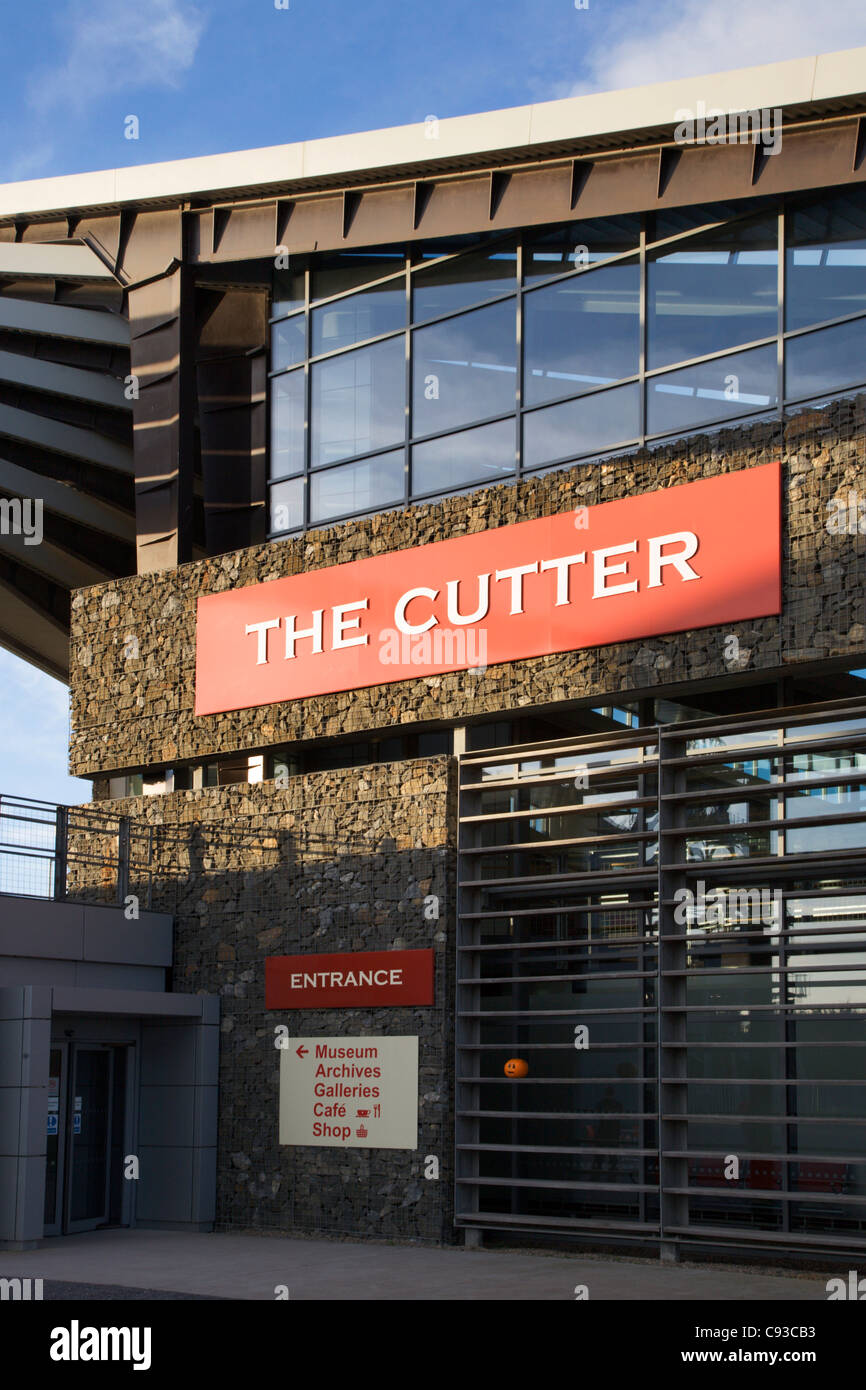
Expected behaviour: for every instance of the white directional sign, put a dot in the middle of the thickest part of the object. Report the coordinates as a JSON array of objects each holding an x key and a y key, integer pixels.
[{"x": 350, "y": 1093}]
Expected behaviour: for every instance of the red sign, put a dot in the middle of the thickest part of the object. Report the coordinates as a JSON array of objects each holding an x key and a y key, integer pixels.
[
  {"x": 349, "y": 980},
  {"x": 685, "y": 557}
]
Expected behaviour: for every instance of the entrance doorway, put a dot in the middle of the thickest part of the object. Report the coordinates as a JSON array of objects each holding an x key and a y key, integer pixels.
[{"x": 86, "y": 1114}]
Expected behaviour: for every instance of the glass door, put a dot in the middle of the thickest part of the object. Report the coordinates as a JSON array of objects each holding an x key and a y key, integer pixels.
[
  {"x": 54, "y": 1146},
  {"x": 88, "y": 1136}
]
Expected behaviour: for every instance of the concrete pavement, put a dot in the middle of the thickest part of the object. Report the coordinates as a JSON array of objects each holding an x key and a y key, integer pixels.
[{"x": 238, "y": 1266}]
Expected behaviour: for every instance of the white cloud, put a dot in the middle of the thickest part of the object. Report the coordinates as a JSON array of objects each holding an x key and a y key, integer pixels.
[
  {"x": 111, "y": 46},
  {"x": 643, "y": 43}
]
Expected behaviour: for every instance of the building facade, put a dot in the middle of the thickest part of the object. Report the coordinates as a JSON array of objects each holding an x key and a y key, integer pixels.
[{"x": 429, "y": 435}]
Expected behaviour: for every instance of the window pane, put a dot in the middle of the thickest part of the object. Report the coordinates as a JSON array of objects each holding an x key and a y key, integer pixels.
[
  {"x": 288, "y": 342},
  {"x": 359, "y": 316},
  {"x": 288, "y": 292},
  {"x": 718, "y": 390},
  {"x": 826, "y": 260},
  {"x": 581, "y": 427},
  {"x": 712, "y": 292},
  {"x": 581, "y": 333},
  {"x": 466, "y": 280},
  {"x": 578, "y": 243},
  {"x": 287, "y": 505},
  {"x": 469, "y": 457},
  {"x": 347, "y": 270},
  {"x": 358, "y": 402},
  {"x": 287, "y": 424},
  {"x": 825, "y": 361},
  {"x": 357, "y": 487},
  {"x": 464, "y": 369}
]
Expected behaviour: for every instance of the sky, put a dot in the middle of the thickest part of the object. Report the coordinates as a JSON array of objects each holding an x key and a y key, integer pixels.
[{"x": 202, "y": 78}]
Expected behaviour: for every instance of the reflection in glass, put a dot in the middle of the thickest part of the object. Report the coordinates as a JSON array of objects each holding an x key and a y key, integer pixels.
[
  {"x": 375, "y": 311},
  {"x": 470, "y": 456},
  {"x": 356, "y": 487},
  {"x": 581, "y": 333},
  {"x": 582, "y": 426},
  {"x": 711, "y": 292},
  {"x": 358, "y": 402},
  {"x": 825, "y": 275},
  {"x": 717, "y": 390},
  {"x": 287, "y": 505},
  {"x": 287, "y": 424},
  {"x": 577, "y": 244},
  {"x": 464, "y": 369},
  {"x": 347, "y": 270},
  {"x": 288, "y": 292},
  {"x": 288, "y": 342},
  {"x": 827, "y": 360},
  {"x": 463, "y": 280}
]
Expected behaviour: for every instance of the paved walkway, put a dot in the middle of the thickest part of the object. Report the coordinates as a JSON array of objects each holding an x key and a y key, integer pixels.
[{"x": 253, "y": 1266}]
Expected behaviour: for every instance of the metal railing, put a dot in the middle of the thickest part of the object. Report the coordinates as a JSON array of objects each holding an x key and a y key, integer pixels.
[{"x": 73, "y": 853}]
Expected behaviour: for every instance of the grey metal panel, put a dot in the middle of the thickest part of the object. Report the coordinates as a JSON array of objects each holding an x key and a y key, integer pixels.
[
  {"x": 165, "y": 1186},
  {"x": 41, "y": 928},
  {"x": 207, "y": 1051},
  {"x": 139, "y": 1003},
  {"x": 166, "y": 1115},
  {"x": 22, "y": 1119},
  {"x": 67, "y": 501},
  {"x": 109, "y": 976},
  {"x": 108, "y": 936},
  {"x": 205, "y": 1112},
  {"x": 62, "y": 321},
  {"x": 69, "y": 262},
  {"x": 65, "y": 439},
  {"x": 26, "y": 970},
  {"x": 168, "y": 1054},
  {"x": 59, "y": 380},
  {"x": 25, "y": 1002}
]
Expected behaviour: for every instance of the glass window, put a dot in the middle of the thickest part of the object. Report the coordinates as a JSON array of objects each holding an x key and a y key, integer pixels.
[
  {"x": 464, "y": 280},
  {"x": 580, "y": 427},
  {"x": 287, "y": 424},
  {"x": 464, "y": 369},
  {"x": 358, "y": 402},
  {"x": 357, "y": 487},
  {"x": 288, "y": 292},
  {"x": 287, "y": 505},
  {"x": 578, "y": 243},
  {"x": 288, "y": 342},
  {"x": 671, "y": 221},
  {"x": 717, "y": 390},
  {"x": 581, "y": 333},
  {"x": 374, "y": 311},
  {"x": 826, "y": 361},
  {"x": 712, "y": 292},
  {"x": 347, "y": 270},
  {"x": 826, "y": 259},
  {"x": 468, "y": 457}
]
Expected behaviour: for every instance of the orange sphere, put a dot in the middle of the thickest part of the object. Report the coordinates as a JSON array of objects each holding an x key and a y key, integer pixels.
[{"x": 515, "y": 1066}]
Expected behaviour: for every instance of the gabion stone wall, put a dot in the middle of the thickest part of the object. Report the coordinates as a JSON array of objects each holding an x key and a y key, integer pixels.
[
  {"x": 336, "y": 861},
  {"x": 133, "y": 640}
]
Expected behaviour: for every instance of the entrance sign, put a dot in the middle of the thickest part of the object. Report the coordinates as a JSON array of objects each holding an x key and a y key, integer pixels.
[
  {"x": 349, "y": 980},
  {"x": 685, "y": 557},
  {"x": 350, "y": 1093}
]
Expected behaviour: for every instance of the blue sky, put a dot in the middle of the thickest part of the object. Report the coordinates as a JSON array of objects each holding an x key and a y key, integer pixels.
[{"x": 229, "y": 74}]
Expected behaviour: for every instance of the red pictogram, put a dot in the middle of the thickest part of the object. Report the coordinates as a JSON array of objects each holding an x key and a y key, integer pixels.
[{"x": 361, "y": 1132}]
